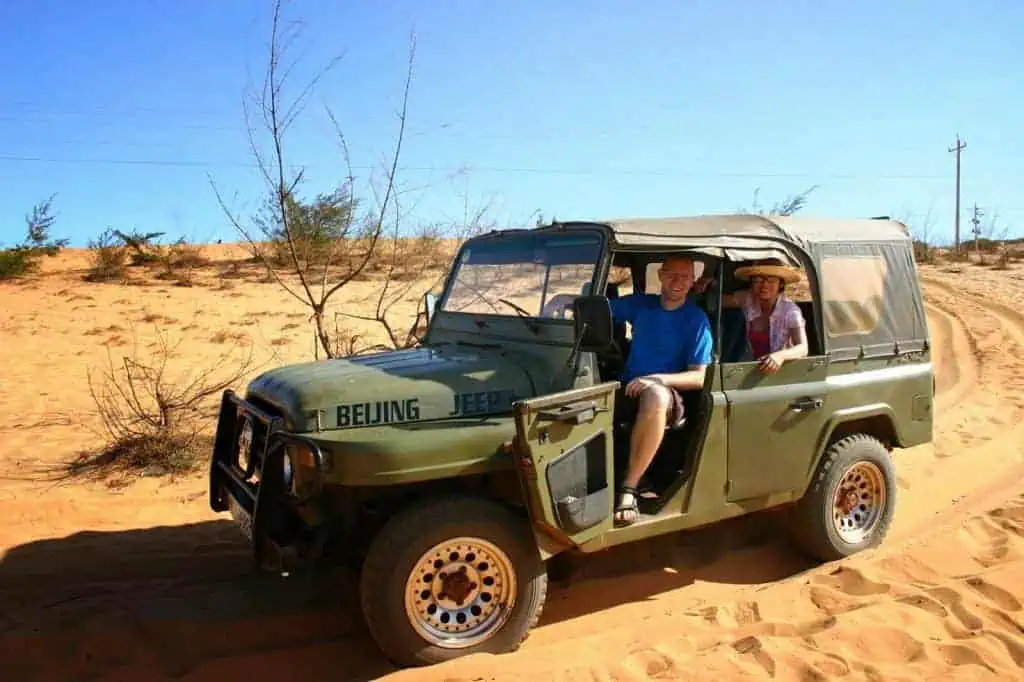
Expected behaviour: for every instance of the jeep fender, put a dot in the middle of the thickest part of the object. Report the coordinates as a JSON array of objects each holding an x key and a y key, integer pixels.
[{"x": 876, "y": 419}]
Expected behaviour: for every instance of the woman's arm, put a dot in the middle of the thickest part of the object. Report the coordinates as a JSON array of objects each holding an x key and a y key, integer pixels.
[
  {"x": 797, "y": 336},
  {"x": 733, "y": 300},
  {"x": 798, "y": 344}
]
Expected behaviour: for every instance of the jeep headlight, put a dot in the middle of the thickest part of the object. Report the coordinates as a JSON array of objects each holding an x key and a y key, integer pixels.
[{"x": 245, "y": 438}]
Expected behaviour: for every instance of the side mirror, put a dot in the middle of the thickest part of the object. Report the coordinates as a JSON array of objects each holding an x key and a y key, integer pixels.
[
  {"x": 429, "y": 304},
  {"x": 592, "y": 318}
]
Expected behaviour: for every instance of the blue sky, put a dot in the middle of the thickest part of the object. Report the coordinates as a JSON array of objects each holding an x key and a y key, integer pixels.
[{"x": 126, "y": 110}]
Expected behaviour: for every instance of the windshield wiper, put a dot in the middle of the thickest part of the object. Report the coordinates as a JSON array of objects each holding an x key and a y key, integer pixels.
[
  {"x": 523, "y": 315},
  {"x": 472, "y": 344}
]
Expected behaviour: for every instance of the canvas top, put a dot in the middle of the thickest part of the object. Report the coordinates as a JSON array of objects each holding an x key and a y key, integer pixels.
[{"x": 801, "y": 230}]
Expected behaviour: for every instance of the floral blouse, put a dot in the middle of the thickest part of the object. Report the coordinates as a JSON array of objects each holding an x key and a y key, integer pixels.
[{"x": 785, "y": 316}]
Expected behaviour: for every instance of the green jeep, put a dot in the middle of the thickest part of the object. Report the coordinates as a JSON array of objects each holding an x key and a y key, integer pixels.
[{"x": 454, "y": 471}]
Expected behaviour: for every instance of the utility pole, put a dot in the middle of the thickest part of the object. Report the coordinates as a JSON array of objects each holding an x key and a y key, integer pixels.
[{"x": 959, "y": 147}]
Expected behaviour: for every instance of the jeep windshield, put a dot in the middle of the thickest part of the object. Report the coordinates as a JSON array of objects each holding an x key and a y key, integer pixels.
[{"x": 528, "y": 274}]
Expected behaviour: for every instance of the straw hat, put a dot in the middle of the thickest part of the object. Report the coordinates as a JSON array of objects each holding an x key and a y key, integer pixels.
[{"x": 786, "y": 273}]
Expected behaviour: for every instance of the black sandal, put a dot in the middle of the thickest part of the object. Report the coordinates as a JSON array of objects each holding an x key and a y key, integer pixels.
[{"x": 626, "y": 514}]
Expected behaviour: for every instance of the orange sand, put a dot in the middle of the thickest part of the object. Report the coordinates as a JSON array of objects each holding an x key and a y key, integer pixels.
[{"x": 143, "y": 582}]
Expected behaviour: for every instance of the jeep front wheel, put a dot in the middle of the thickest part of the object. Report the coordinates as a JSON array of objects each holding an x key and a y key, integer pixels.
[
  {"x": 849, "y": 505},
  {"x": 449, "y": 578}
]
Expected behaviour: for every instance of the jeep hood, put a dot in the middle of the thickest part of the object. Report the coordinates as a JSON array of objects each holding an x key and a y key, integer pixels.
[{"x": 393, "y": 388}]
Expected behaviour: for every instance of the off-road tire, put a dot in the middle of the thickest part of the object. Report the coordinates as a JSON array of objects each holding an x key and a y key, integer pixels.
[
  {"x": 811, "y": 520},
  {"x": 410, "y": 533}
]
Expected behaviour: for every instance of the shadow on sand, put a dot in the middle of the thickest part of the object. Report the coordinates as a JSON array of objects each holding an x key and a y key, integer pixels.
[{"x": 183, "y": 603}]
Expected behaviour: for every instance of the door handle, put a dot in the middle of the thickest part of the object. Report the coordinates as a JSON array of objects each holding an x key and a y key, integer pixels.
[
  {"x": 577, "y": 413},
  {"x": 806, "y": 404}
]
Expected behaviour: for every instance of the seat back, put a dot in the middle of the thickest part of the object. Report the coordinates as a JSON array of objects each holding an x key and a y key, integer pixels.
[
  {"x": 807, "y": 308},
  {"x": 618, "y": 328}
]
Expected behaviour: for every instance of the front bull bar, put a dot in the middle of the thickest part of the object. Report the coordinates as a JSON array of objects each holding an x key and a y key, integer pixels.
[{"x": 256, "y": 495}]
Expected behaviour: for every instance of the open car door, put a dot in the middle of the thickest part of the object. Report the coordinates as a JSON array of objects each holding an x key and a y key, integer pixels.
[{"x": 566, "y": 461}]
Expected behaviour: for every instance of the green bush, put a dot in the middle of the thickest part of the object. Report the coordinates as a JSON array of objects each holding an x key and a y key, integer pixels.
[{"x": 24, "y": 258}]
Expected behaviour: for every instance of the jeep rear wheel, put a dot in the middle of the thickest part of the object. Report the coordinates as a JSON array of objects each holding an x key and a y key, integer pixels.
[
  {"x": 849, "y": 505},
  {"x": 449, "y": 578}
]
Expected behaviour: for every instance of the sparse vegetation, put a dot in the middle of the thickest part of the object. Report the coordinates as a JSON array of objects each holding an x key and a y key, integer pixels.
[
  {"x": 178, "y": 262},
  {"x": 24, "y": 258},
  {"x": 921, "y": 230},
  {"x": 114, "y": 252},
  {"x": 789, "y": 205},
  {"x": 140, "y": 246},
  {"x": 153, "y": 417}
]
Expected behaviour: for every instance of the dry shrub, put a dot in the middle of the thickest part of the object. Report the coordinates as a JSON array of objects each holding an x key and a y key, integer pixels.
[
  {"x": 184, "y": 255},
  {"x": 179, "y": 262},
  {"x": 232, "y": 271},
  {"x": 1003, "y": 259},
  {"x": 346, "y": 342},
  {"x": 109, "y": 259},
  {"x": 153, "y": 415},
  {"x": 961, "y": 256},
  {"x": 923, "y": 252},
  {"x": 17, "y": 262}
]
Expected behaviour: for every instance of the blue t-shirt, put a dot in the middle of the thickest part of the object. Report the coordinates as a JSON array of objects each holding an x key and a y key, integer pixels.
[{"x": 664, "y": 341}]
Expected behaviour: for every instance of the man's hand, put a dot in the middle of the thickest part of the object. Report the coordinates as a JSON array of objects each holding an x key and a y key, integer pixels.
[
  {"x": 701, "y": 285},
  {"x": 771, "y": 363},
  {"x": 641, "y": 384}
]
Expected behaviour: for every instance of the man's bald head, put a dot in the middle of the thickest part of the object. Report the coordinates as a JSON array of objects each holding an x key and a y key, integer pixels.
[{"x": 676, "y": 275}]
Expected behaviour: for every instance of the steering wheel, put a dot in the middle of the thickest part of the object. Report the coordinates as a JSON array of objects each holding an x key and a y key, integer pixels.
[{"x": 558, "y": 306}]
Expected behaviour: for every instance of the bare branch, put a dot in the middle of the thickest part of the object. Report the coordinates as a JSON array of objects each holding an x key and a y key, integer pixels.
[
  {"x": 299, "y": 232},
  {"x": 378, "y": 226}
]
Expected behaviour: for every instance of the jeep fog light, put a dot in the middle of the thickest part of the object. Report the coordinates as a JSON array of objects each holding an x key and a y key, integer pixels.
[{"x": 287, "y": 470}]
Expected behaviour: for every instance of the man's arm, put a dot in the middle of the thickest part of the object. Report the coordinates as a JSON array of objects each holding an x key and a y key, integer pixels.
[
  {"x": 736, "y": 299},
  {"x": 623, "y": 308},
  {"x": 689, "y": 380}
]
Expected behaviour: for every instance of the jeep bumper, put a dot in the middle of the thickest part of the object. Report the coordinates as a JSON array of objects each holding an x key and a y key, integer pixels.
[{"x": 253, "y": 476}]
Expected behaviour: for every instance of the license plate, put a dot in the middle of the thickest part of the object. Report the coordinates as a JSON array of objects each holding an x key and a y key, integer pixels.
[{"x": 241, "y": 517}]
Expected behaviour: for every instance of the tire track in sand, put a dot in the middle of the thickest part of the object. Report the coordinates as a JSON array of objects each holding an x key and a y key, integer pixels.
[
  {"x": 957, "y": 366},
  {"x": 985, "y": 398}
]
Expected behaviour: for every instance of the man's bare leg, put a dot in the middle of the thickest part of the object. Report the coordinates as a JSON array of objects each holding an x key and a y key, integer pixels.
[{"x": 648, "y": 432}]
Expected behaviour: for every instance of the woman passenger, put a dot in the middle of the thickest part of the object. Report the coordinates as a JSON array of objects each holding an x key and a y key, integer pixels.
[{"x": 775, "y": 325}]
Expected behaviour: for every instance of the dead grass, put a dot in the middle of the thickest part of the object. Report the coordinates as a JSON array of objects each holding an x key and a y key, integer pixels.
[
  {"x": 226, "y": 336},
  {"x": 154, "y": 455}
]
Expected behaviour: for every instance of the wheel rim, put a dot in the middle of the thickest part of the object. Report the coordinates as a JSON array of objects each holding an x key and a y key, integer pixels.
[
  {"x": 859, "y": 501},
  {"x": 460, "y": 592}
]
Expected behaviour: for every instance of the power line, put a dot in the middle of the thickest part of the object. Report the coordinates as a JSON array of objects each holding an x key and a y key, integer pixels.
[{"x": 666, "y": 172}]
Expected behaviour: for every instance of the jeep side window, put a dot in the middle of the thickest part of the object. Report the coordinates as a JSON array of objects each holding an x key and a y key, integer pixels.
[{"x": 743, "y": 342}]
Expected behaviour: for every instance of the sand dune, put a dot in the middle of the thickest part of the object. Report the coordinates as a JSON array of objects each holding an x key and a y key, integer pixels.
[{"x": 140, "y": 581}]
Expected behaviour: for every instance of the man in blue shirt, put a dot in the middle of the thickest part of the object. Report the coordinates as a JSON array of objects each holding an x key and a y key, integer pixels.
[{"x": 670, "y": 350}]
